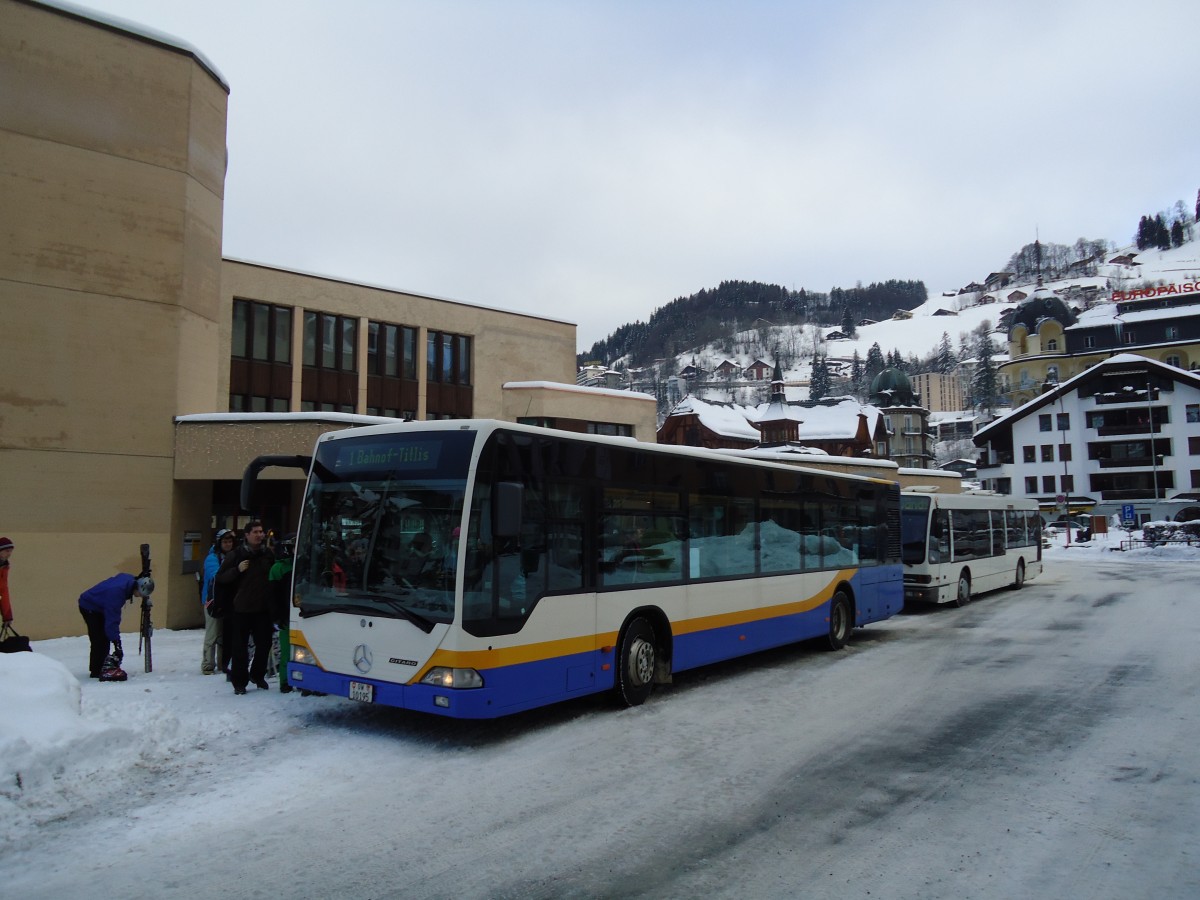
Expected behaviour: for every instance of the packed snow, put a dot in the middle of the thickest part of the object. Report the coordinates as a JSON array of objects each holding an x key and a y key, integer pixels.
[{"x": 74, "y": 752}]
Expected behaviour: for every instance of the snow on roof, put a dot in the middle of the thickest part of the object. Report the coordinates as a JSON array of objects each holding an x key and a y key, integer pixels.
[
  {"x": 835, "y": 421},
  {"x": 727, "y": 420},
  {"x": 348, "y": 418},
  {"x": 144, "y": 32},
  {"x": 575, "y": 388}
]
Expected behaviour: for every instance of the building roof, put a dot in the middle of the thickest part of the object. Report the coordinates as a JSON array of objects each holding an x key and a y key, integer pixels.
[
  {"x": 724, "y": 419},
  {"x": 1121, "y": 360}
]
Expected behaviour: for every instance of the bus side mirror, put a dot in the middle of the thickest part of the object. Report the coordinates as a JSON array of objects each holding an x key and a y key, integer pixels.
[{"x": 507, "y": 505}]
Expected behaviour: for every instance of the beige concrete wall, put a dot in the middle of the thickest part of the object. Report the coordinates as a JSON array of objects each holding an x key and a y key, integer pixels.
[
  {"x": 112, "y": 162},
  {"x": 507, "y": 346},
  {"x": 570, "y": 402}
]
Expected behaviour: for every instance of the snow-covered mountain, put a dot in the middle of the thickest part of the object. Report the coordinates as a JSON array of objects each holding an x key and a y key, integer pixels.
[{"x": 956, "y": 313}]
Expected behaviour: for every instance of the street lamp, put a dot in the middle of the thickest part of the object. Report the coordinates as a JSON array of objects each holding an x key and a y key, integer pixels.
[
  {"x": 1062, "y": 452},
  {"x": 1150, "y": 425}
]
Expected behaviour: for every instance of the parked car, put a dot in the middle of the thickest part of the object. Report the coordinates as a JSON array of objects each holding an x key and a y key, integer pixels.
[{"x": 1061, "y": 525}]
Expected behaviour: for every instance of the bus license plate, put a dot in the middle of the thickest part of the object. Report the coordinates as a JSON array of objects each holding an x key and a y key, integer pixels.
[{"x": 361, "y": 691}]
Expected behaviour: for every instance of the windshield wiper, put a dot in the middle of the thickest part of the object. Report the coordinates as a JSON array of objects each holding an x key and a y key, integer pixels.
[
  {"x": 369, "y": 607},
  {"x": 415, "y": 617}
]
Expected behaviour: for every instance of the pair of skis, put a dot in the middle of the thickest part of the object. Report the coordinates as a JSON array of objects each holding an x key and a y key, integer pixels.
[{"x": 146, "y": 629}]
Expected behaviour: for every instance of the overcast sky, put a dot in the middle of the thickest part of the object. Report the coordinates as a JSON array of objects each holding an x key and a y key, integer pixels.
[{"x": 593, "y": 161}]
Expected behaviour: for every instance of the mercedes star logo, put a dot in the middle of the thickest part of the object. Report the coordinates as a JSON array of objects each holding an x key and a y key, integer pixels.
[{"x": 362, "y": 658}]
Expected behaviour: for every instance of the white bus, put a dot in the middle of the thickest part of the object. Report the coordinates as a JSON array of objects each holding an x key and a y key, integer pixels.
[
  {"x": 478, "y": 568},
  {"x": 957, "y": 545}
]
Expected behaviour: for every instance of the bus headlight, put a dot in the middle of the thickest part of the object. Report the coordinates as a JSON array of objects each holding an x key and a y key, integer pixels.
[
  {"x": 302, "y": 654},
  {"x": 446, "y": 677}
]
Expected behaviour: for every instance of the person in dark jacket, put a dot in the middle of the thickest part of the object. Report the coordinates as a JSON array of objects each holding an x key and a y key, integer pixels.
[
  {"x": 245, "y": 572},
  {"x": 101, "y": 607}
]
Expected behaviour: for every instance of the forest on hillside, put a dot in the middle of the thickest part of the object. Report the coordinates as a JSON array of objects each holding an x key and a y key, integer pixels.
[{"x": 713, "y": 314}]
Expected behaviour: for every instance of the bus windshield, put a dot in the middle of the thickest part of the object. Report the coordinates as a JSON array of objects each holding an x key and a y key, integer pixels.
[
  {"x": 914, "y": 523},
  {"x": 380, "y": 524}
]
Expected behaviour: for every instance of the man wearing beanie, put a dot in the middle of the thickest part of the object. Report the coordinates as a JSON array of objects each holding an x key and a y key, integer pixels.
[{"x": 6, "y": 549}]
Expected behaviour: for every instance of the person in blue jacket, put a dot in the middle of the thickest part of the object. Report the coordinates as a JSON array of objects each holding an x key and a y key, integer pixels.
[
  {"x": 101, "y": 607},
  {"x": 213, "y": 655}
]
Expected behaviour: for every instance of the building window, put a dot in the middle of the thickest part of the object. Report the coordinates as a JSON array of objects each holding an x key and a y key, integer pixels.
[
  {"x": 389, "y": 350},
  {"x": 1193, "y": 412},
  {"x": 1089, "y": 342},
  {"x": 261, "y": 332},
  {"x": 613, "y": 429},
  {"x": 1047, "y": 453},
  {"x": 1064, "y": 452},
  {"x": 1031, "y": 484},
  {"x": 449, "y": 358},
  {"x": 1052, "y": 344},
  {"x": 1174, "y": 360},
  {"x": 330, "y": 342},
  {"x": 1052, "y": 374},
  {"x": 1030, "y": 454},
  {"x": 1194, "y": 446},
  {"x": 1129, "y": 337},
  {"x": 1172, "y": 332},
  {"x": 1044, "y": 423},
  {"x": 1068, "y": 483},
  {"x": 1048, "y": 484}
]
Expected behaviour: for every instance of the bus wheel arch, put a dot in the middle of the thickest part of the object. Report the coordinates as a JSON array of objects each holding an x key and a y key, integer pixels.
[
  {"x": 1019, "y": 577},
  {"x": 841, "y": 617},
  {"x": 963, "y": 595},
  {"x": 643, "y": 656}
]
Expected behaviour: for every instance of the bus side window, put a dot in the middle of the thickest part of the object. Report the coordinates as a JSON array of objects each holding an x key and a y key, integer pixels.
[{"x": 939, "y": 537}]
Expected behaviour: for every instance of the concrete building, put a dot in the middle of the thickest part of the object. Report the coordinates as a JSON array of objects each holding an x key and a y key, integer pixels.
[
  {"x": 1050, "y": 341},
  {"x": 1126, "y": 429},
  {"x": 140, "y": 370}
]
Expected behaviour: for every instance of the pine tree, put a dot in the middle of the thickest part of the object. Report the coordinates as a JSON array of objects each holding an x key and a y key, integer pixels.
[
  {"x": 873, "y": 366},
  {"x": 984, "y": 384},
  {"x": 1177, "y": 233},
  {"x": 818, "y": 386},
  {"x": 856, "y": 375},
  {"x": 848, "y": 328},
  {"x": 946, "y": 360}
]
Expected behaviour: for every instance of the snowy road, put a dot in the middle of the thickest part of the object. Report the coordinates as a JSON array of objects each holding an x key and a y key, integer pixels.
[{"x": 1041, "y": 743}]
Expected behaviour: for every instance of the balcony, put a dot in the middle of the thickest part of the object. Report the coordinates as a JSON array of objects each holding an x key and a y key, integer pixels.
[{"x": 1138, "y": 428}]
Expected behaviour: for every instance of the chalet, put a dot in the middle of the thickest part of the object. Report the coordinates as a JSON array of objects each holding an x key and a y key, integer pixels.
[
  {"x": 945, "y": 312},
  {"x": 997, "y": 280},
  {"x": 726, "y": 369},
  {"x": 836, "y": 335},
  {"x": 758, "y": 370},
  {"x": 901, "y": 314},
  {"x": 702, "y": 423},
  {"x": 1016, "y": 296}
]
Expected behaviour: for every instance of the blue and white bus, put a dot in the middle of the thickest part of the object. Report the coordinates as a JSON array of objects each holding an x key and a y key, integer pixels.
[{"x": 478, "y": 568}]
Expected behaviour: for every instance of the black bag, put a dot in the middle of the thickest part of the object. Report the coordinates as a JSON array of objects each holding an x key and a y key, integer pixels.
[
  {"x": 11, "y": 642},
  {"x": 222, "y": 597}
]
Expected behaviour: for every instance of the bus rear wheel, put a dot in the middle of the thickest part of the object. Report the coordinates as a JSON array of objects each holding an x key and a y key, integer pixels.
[
  {"x": 637, "y": 656},
  {"x": 841, "y": 621},
  {"x": 1019, "y": 580},
  {"x": 963, "y": 597}
]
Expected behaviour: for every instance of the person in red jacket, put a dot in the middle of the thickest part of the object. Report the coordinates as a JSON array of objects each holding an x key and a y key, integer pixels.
[{"x": 6, "y": 549}]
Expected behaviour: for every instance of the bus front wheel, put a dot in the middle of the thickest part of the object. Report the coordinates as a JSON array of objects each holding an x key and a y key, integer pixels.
[
  {"x": 636, "y": 659},
  {"x": 841, "y": 621},
  {"x": 964, "y": 589}
]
